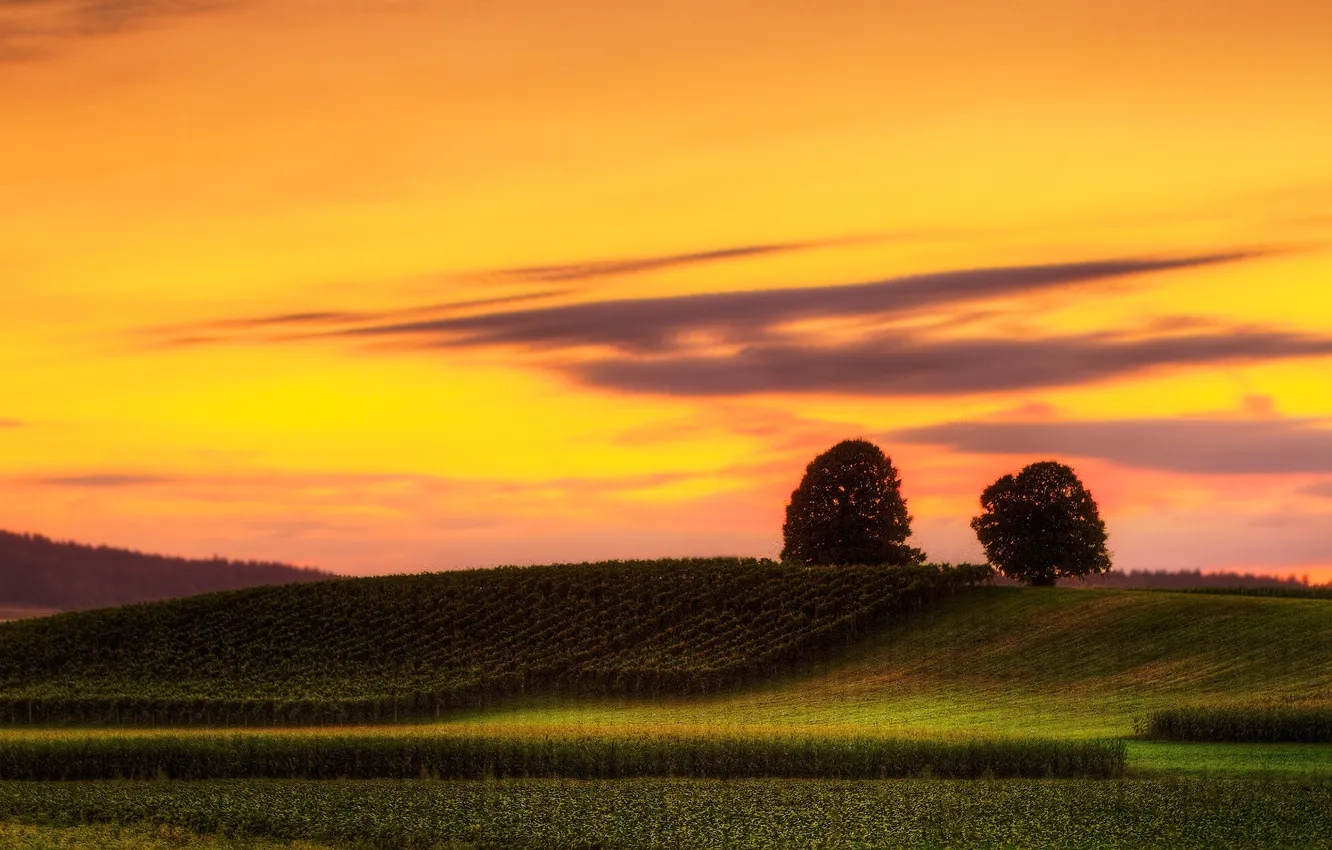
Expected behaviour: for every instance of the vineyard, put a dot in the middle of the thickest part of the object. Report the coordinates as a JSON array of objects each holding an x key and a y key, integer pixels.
[{"x": 372, "y": 650}]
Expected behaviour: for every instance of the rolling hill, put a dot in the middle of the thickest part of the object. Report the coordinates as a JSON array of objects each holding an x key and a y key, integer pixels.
[
  {"x": 381, "y": 648},
  {"x": 707, "y": 644},
  {"x": 1046, "y": 662},
  {"x": 38, "y": 576}
]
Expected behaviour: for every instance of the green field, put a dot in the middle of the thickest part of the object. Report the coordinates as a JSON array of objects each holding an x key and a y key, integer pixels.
[
  {"x": 1044, "y": 662},
  {"x": 983, "y": 667}
]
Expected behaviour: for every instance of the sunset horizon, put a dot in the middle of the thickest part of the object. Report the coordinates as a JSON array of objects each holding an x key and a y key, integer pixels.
[{"x": 383, "y": 288}]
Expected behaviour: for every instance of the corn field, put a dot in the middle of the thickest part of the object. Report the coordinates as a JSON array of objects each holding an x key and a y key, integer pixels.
[
  {"x": 476, "y": 756},
  {"x": 1242, "y": 725}
]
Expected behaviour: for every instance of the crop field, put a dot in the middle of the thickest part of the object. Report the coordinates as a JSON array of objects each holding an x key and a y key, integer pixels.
[
  {"x": 375, "y": 650},
  {"x": 631, "y": 813},
  {"x": 1009, "y": 686},
  {"x": 1242, "y": 725},
  {"x": 374, "y": 756},
  {"x": 104, "y": 836}
]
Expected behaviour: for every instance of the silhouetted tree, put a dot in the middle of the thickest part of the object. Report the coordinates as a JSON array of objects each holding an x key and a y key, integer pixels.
[
  {"x": 849, "y": 509},
  {"x": 1042, "y": 525}
]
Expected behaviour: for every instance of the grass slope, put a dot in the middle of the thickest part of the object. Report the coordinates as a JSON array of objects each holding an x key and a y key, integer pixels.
[
  {"x": 1048, "y": 662},
  {"x": 377, "y": 649}
]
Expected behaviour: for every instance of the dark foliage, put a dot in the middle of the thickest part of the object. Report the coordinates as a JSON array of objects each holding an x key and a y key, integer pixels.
[
  {"x": 1243, "y": 725},
  {"x": 1042, "y": 525},
  {"x": 38, "y": 572},
  {"x": 380, "y": 649},
  {"x": 442, "y": 756},
  {"x": 849, "y": 509}
]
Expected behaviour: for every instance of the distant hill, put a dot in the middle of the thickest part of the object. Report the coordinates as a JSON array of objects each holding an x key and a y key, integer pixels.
[
  {"x": 37, "y": 573},
  {"x": 375, "y": 649}
]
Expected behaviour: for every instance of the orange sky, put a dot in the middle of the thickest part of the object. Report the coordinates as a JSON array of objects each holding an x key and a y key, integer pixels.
[{"x": 385, "y": 286}]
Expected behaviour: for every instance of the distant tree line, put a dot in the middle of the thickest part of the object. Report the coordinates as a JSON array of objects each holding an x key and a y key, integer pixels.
[
  {"x": 1196, "y": 580},
  {"x": 36, "y": 571}
]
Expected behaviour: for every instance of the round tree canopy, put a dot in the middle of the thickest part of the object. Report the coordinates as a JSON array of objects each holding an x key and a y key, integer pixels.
[
  {"x": 849, "y": 509},
  {"x": 1042, "y": 525}
]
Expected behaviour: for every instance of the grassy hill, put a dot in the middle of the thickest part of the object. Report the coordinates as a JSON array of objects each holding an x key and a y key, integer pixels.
[
  {"x": 38, "y": 575},
  {"x": 386, "y": 648},
  {"x": 1002, "y": 661},
  {"x": 746, "y": 647},
  {"x": 1047, "y": 662}
]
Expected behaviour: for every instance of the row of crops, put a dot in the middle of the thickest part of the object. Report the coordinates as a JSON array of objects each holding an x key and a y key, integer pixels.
[
  {"x": 1242, "y": 725},
  {"x": 1020, "y": 813},
  {"x": 372, "y": 650},
  {"x": 371, "y": 756}
]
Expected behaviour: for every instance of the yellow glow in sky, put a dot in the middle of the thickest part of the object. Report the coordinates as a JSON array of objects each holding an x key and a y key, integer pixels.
[{"x": 394, "y": 286}]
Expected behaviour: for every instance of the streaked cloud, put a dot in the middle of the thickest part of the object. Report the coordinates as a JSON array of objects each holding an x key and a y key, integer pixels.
[
  {"x": 1195, "y": 446},
  {"x": 920, "y": 367},
  {"x": 10, "y": 423},
  {"x": 652, "y": 339},
  {"x": 318, "y": 322},
  {"x": 104, "y": 480},
  {"x": 656, "y": 324},
  {"x": 338, "y": 483},
  {"x": 297, "y": 325},
  {"x": 28, "y": 28},
  {"x": 594, "y": 269},
  {"x": 1322, "y": 489}
]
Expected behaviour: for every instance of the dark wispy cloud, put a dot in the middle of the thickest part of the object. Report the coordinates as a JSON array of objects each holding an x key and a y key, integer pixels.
[
  {"x": 10, "y": 423},
  {"x": 1319, "y": 488},
  {"x": 29, "y": 28},
  {"x": 342, "y": 482},
  {"x": 1198, "y": 446},
  {"x": 915, "y": 367},
  {"x": 593, "y": 269},
  {"x": 649, "y": 345},
  {"x": 655, "y": 324},
  {"x": 104, "y": 480},
  {"x": 317, "y": 322},
  {"x": 295, "y": 325}
]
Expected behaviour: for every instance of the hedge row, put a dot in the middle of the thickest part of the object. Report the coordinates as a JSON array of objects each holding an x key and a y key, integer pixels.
[
  {"x": 1246, "y": 725},
  {"x": 401, "y": 756}
]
